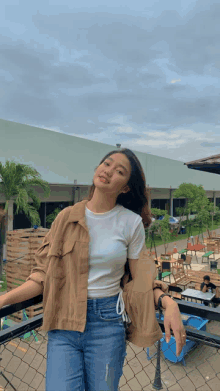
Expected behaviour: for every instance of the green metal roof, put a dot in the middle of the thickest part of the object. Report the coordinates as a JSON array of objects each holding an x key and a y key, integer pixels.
[{"x": 66, "y": 159}]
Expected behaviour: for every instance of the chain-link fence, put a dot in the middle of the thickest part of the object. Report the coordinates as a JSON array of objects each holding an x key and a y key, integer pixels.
[
  {"x": 24, "y": 352},
  {"x": 23, "y": 363}
]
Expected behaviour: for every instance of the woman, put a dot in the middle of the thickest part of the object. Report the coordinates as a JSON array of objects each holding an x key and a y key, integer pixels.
[{"x": 81, "y": 265}]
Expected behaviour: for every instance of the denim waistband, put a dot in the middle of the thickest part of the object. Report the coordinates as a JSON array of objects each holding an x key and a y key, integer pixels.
[{"x": 102, "y": 302}]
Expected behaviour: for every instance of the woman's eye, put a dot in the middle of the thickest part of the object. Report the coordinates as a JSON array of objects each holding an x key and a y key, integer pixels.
[{"x": 118, "y": 171}]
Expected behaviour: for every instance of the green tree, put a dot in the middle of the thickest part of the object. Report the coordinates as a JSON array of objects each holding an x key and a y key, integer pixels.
[
  {"x": 180, "y": 212},
  {"x": 205, "y": 215},
  {"x": 52, "y": 216},
  {"x": 162, "y": 227},
  {"x": 196, "y": 200},
  {"x": 157, "y": 212},
  {"x": 154, "y": 227},
  {"x": 18, "y": 181},
  {"x": 165, "y": 230}
]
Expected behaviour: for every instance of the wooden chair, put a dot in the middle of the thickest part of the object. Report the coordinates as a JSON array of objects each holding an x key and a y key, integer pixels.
[
  {"x": 194, "y": 275},
  {"x": 178, "y": 269},
  {"x": 205, "y": 244},
  {"x": 197, "y": 286},
  {"x": 188, "y": 261},
  {"x": 172, "y": 253},
  {"x": 180, "y": 278},
  {"x": 213, "y": 266},
  {"x": 180, "y": 264},
  {"x": 166, "y": 270}
]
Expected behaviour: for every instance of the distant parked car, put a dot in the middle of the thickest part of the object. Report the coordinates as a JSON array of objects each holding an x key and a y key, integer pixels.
[{"x": 172, "y": 220}]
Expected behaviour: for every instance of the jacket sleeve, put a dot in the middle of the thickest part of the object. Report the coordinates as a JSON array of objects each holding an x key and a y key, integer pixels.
[
  {"x": 38, "y": 272},
  {"x": 146, "y": 274},
  {"x": 163, "y": 286}
]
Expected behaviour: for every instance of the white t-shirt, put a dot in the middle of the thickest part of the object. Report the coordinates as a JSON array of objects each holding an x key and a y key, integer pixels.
[{"x": 114, "y": 236}]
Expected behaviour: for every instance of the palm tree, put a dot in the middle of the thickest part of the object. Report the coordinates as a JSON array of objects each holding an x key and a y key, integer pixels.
[
  {"x": 50, "y": 218},
  {"x": 17, "y": 185}
]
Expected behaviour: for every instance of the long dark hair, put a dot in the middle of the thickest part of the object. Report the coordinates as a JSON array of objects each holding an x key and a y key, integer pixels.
[{"x": 137, "y": 199}]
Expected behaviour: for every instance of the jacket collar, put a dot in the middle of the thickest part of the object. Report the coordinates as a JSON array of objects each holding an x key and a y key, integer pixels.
[{"x": 78, "y": 212}]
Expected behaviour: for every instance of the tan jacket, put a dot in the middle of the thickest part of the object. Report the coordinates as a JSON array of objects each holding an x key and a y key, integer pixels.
[{"x": 62, "y": 269}]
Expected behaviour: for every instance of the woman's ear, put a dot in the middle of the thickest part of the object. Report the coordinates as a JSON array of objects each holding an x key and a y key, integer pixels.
[{"x": 126, "y": 189}]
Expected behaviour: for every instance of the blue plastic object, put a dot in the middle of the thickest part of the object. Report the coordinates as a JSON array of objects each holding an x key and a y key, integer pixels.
[{"x": 169, "y": 349}]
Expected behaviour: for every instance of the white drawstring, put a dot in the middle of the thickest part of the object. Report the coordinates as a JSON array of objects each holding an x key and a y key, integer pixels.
[{"x": 123, "y": 312}]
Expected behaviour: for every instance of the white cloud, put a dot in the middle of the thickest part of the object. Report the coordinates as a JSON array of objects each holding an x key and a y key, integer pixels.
[
  {"x": 174, "y": 81},
  {"x": 119, "y": 119},
  {"x": 160, "y": 142},
  {"x": 172, "y": 138},
  {"x": 125, "y": 129}
]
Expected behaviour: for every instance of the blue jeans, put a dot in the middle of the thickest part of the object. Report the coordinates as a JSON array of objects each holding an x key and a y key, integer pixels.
[{"x": 92, "y": 360}]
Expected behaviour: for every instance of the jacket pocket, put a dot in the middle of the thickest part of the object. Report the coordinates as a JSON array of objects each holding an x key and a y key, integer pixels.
[
  {"x": 60, "y": 249},
  {"x": 58, "y": 264},
  {"x": 42, "y": 247},
  {"x": 68, "y": 247}
]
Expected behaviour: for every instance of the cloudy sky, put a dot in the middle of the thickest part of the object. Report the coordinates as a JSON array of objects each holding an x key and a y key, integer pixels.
[{"x": 144, "y": 74}]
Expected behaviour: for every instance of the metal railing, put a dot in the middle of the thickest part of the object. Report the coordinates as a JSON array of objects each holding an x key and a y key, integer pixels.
[{"x": 23, "y": 355}]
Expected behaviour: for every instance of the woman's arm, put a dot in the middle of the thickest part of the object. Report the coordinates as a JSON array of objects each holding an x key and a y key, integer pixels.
[
  {"x": 165, "y": 300},
  {"x": 24, "y": 292}
]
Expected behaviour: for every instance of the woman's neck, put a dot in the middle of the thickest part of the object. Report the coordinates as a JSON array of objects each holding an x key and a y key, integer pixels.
[{"x": 98, "y": 208}]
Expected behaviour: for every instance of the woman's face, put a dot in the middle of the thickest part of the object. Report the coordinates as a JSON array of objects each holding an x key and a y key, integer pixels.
[{"x": 117, "y": 170}]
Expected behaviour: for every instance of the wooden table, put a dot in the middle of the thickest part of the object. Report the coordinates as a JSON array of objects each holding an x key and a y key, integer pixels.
[
  {"x": 198, "y": 295},
  {"x": 196, "y": 247}
]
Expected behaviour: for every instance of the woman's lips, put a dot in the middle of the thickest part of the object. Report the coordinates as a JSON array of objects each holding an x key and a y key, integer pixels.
[{"x": 103, "y": 180}]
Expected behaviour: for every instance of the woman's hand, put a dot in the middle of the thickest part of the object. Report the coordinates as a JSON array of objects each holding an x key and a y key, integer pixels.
[{"x": 172, "y": 320}]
